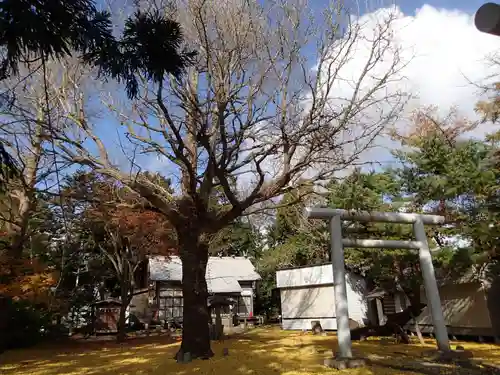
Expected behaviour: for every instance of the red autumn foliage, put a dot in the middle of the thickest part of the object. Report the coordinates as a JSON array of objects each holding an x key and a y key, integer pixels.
[
  {"x": 146, "y": 231},
  {"x": 118, "y": 211},
  {"x": 27, "y": 279}
]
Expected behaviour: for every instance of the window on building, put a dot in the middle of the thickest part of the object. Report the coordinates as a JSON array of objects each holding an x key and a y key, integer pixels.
[
  {"x": 389, "y": 305},
  {"x": 170, "y": 304}
]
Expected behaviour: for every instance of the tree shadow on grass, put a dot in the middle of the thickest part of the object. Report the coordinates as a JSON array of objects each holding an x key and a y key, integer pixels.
[
  {"x": 383, "y": 358},
  {"x": 132, "y": 357},
  {"x": 429, "y": 368},
  {"x": 258, "y": 352}
]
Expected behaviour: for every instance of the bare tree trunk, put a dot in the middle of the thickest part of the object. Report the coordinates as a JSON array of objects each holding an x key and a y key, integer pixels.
[
  {"x": 122, "y": 332},
  {"x": 196, "y": 317},
  {"x": 23, "y": 197},
  {"x": 125, "y": 300},
  {"x": 18, "y": 240}
]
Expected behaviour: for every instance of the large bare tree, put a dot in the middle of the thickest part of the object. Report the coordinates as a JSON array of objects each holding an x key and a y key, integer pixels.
[
  {"x": 273, "y": 101},
  {"x": 32, "y": 113}
]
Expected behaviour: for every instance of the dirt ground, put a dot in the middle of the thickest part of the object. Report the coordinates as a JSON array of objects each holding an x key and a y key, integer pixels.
[{"x": 261, "y": 351}]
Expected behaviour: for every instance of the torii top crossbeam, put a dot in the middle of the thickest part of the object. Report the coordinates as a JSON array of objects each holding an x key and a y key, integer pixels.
[{"x": 364, "y": 216}]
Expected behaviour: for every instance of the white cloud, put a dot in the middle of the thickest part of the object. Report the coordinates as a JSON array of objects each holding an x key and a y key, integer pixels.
[
  {"x": 444, "y": 54},
  {"x": 441, "y": 53},
  {"x": 357, "y": 66}
]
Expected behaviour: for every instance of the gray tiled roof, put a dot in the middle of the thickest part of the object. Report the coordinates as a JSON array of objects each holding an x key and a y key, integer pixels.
[
  {"x": 221, "y": 268},
  {"x": 223, "y": 285}
]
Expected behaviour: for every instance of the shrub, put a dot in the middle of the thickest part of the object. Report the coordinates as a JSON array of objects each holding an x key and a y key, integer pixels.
[{"x": 22, "y": 323}]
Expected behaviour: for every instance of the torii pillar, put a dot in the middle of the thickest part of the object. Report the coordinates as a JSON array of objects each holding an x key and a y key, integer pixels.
[{"x": 335, "y": 216}]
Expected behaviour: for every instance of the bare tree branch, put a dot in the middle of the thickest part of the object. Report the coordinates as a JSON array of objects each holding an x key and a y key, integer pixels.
[{"x": 252, "y": 117}]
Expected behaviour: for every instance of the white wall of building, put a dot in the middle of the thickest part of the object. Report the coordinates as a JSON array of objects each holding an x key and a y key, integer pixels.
[{"x": 307, "y": 294}]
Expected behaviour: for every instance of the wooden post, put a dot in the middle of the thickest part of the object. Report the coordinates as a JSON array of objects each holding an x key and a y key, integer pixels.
[
  {"x": 380, "y": 311},
  {"x": 218, "y": 323},
  {"x": 397, "y": 302}
]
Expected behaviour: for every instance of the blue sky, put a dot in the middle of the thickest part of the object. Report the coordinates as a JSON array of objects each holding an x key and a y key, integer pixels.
[
  {"x": 443, "y": 88},
  {"x": 410, "y": 6},
  {"x": 469, "y": 6}
]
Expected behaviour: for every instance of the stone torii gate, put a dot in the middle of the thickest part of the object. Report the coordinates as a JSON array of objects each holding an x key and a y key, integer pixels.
[{"x": 335, "y": 216}]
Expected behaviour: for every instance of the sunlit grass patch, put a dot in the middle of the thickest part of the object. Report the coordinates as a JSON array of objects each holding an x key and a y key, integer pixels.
[{"x": 262, "y": 351}]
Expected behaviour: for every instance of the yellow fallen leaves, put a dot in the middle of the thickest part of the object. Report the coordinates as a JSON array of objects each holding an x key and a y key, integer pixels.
[{"x": 259, "y": 352}]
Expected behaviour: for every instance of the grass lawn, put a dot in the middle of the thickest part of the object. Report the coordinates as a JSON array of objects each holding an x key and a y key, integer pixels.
[{"x": 261, "y": 351}]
